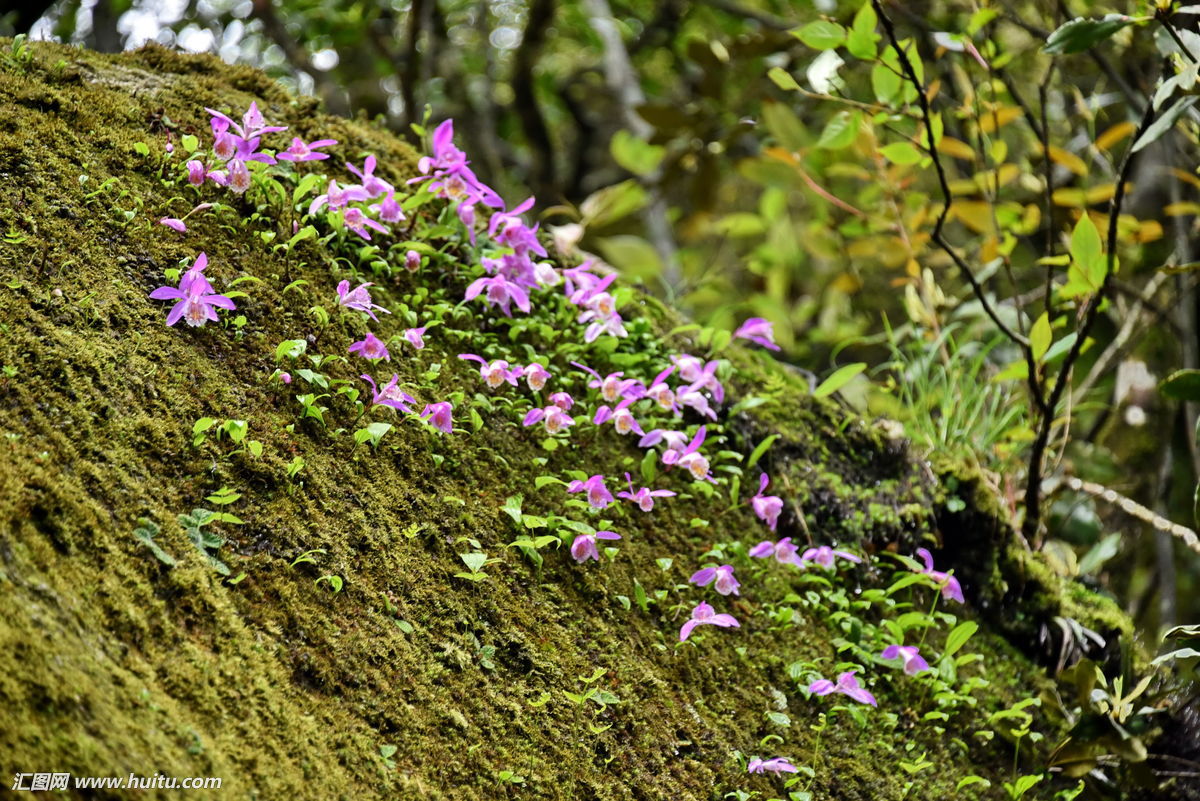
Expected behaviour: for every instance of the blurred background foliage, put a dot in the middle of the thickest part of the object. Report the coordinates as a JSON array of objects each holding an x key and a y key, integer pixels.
[{"x": 759, "y": 158}]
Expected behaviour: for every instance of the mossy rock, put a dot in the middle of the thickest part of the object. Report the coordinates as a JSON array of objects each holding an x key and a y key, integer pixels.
[{"x": 408, "y": 681}]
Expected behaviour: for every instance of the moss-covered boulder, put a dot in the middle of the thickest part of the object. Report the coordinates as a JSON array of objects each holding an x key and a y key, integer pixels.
[{"x": 316, "y": 631}]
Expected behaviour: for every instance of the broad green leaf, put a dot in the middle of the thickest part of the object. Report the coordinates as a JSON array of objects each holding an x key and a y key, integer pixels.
[
  {"x": 901, "y": 153},
  {"x": 1164, "y": 123},
  {"x": 634, "y": 154},
  {"x": 839, "y": 379},
  {"x": 861, "y": 39},
  {"x": 1182, "y": 385},
  {"x": 1040, "y": 337},
  {"x": 473, "y": 560},
  {"x": 958, "y": 637},
  {"x": 1087, "y": 255},
  {"x": 821, "y": 34},
  {"x": 1079, "y": 34},
  {"x": 840, "y": 131}
]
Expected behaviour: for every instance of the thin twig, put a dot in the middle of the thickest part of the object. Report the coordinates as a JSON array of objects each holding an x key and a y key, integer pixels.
[{"x": 1033, "y": 487}]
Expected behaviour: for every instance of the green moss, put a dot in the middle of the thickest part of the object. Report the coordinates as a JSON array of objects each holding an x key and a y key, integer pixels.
[{"x": 114, "y": 663}]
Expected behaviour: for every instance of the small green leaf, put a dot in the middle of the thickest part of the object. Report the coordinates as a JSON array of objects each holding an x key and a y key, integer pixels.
[
  {"x": 821, "y": 34},
  {"x": 1040, "y": 337},
  {"x": 760, "y": 450},
  {"x": 783, "y": 79},
  {"x": 839, "y": 379},
  {"x": 1164, "y": 123},
  {"x": 1079, "y": 34}
]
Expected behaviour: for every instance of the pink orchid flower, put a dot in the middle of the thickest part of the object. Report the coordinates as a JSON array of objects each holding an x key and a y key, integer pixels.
[
  {"x": 784, "y": 551},
  {"x": 623, "y": 419},
  {"x": 951, "y": 589},
  {"x": 493, "y": 373},
  {"x": 584, "y": 547},
  {"x": 536, "y": 376},
  {"x": 391, "y": 395},
  {"x": 554, "y": 418},
  {"x": 358, "y": 299},
  {"x": 372, "y": 185},
  {"x": 562, "y": 400},
  {"x": 725, "y": 584},
  {"x": 691, "y": 459},
  {"x": 767, "y": 507},
  {"x": 777, "y": 765},
  {"x": 300, "y": 151},
  {"x": 660, "y": 393},
  {"x": 371, "y": 347},
  {"x": 598, "y": 495},
  {"x": 824, "y": 556},
  {"x": 197, "y": 301},
  {"x": 500, "y": 292},
  {"x": 758, "y": 331},
  {"x": 415, "y": 337},
  {"x": 439, "y": 416},
  {"x": 914, "y": 663},
  {"x": 847, "y": 685},
  {"x": 644, "y": 497},
  {"x": 705, "y": 615}
]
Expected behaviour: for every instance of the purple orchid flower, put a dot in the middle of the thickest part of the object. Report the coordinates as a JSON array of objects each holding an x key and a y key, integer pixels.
[
  {"x": 452, "y": 178},
  {"x": 536, "y": 377},
  {"x": 391, "y": 394},
  {"x": 196, "y": 172},
  {"x": 493, "y": 373},
  {"x": 438, "y": 416},
  {"x": 692, "y": 460},
  {"x": 359, "y": 299},
  {"x": 914, "y": 663},
  {"x": 357, "y": 221},
  {"x": 784, "y": 551},
  {"x": 299, "y": 151},
  {"x": 412, "y": 261},
  {"x": 725, "y": 584},
  {"x": 500, "y": 292},
  {"x": 660, "y": 393},
  {"x": 613, "y": 387},
  {"x": 584, "y": 547},
  {"x": 623, "y": 419},
  {"x": 705, "y": 615},
  {"x": 197, "y": 302},
  {"x": 758, "y": 331},
  {"x": 371, "y": 347},
  {"x": 777, "y": 765},
  {"x": 824, "y": 556},
  {"x": 692, "y": 397},
  {"x": 598, "y": 495},
  {"x": 337, "y": 197},
  {"x": 767, "y": 507},
  {"x": 415, "y": 337},
  {"x": 253, "y": 125},
  {"x": 554, "y": 418},
  {"x": 847, "y": 685},
  {"x": 373, "y": 186},
  {"x": 390, "y": 211},
  {"x": 239, "y": 177},
  {"x": 562, "y": 400},
  {"x": 644, "y": 497},
  {"x": 951, "y": 589},
  {"x": 174, "y": 224}
]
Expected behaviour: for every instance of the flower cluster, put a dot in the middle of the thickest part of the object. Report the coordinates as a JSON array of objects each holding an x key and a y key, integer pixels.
[{"x": 671, "y": 404}]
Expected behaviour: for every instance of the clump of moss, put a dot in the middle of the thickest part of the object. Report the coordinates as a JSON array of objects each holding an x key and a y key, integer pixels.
[{"x": 408, "y": 681}]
